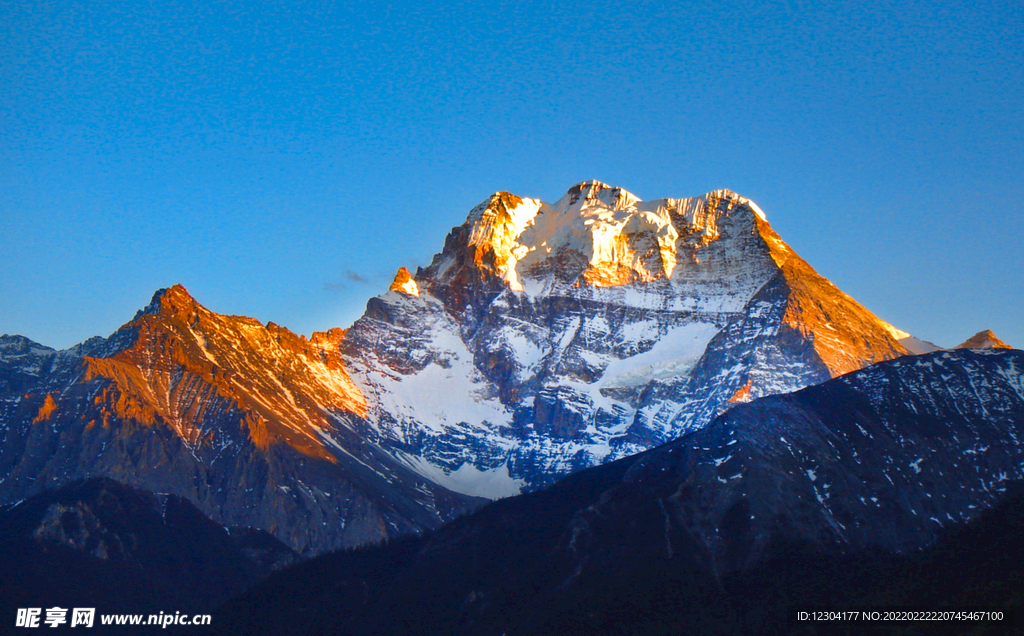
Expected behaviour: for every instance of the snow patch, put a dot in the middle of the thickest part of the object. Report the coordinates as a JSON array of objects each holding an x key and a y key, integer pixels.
[
  {"x": 492, "y": 483},
  {"x": 674, "y": 355}
]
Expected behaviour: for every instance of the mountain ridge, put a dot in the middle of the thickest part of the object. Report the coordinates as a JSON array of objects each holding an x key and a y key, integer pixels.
[
  {"x": 251, "y": 423},
  {"x": 122, "y": 549},
  {"x": 826, "y": 489},
  {"x": 542, "y": 339}
]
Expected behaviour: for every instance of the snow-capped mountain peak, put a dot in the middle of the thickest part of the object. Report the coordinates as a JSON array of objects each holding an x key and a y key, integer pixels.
[
  {"x": 594, "y": 193},
  {"x": 548, "y": 337},
  {"x": 595, "y": 235},
  {"x": 542, "y": 339}
]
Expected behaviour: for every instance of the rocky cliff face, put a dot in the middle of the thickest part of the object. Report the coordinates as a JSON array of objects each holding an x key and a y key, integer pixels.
[
  {"x": 252, "y": 423},
  {"x": 547, "y": 338}
]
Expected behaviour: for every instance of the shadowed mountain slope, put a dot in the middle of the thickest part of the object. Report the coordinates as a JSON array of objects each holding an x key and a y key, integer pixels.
[
  {"x": 820, "y": 497},
  {"x": 97, "y": 543}
]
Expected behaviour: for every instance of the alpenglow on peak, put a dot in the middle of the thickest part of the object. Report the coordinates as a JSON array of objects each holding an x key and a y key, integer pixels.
[
  {"x": 545, "y": 337},
  {"x": 595, "y": 235}
]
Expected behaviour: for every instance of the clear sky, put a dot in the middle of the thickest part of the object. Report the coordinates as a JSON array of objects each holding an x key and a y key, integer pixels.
[{"x": 283, "y": 159}]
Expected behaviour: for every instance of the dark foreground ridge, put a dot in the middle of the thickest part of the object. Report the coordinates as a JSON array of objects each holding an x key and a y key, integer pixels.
[
  {"x": 867, "y": 490},
  {"x": 100, "y": 544}
]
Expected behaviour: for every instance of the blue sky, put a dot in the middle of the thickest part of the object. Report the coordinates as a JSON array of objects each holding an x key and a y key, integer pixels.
[{"x": 282, "y": 160}]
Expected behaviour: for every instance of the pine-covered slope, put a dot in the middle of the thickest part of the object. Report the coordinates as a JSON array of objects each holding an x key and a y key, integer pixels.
[
  {"x": 253, "y": 424},
  {"x": 547, "y": 338}
]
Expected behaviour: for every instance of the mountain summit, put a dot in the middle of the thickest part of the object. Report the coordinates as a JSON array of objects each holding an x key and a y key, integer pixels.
[
  {"x": 983, "y": 340},
  {"x": 594, "y": 235},
  {"x": 544, "y": 338}
]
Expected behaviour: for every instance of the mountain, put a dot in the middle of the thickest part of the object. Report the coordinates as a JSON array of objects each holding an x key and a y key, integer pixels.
[
  {"x": 864, "y": 490},
  {"x": 122, "y": 549},
  {"x": 251, "y": 423},
  {"x": 983, "y": 340},
  {"x": 542, "y": 339},
  {"x": 545, "y": 338}
]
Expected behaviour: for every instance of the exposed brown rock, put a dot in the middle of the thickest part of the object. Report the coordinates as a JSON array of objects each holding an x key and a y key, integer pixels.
[
  {"x": 845, "y": 335},
  {"x": 404, "y": 283},
  {"x": 206, "y": 358},
  {"x": 46, "y": 410},
  {"x": 742, "y": 394}
]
